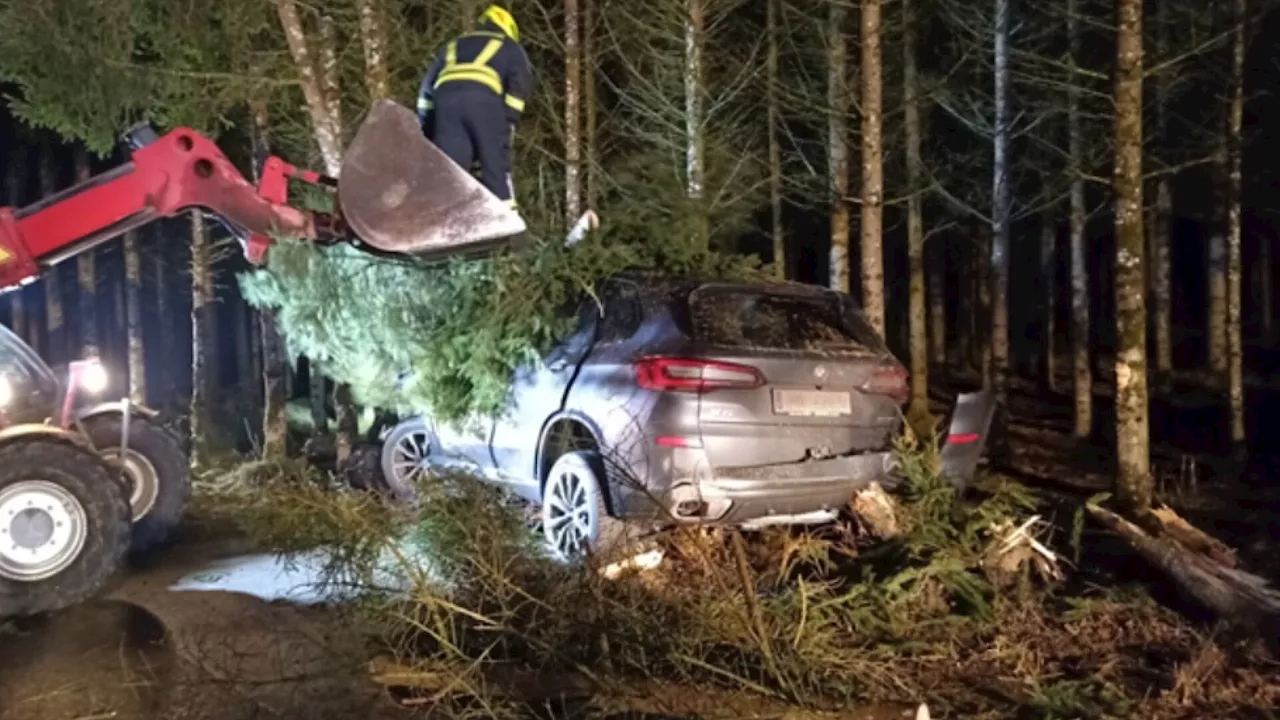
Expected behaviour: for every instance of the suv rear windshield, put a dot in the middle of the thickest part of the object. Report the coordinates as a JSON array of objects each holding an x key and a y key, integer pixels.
[{"x": 744, "y": 318}]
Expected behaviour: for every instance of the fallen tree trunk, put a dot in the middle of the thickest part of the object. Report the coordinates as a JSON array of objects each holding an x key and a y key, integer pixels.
[{"x": 1203, "y": 568}]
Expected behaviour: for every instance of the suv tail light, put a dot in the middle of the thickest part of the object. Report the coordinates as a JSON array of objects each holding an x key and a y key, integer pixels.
[
  {"x": 891, "y": 381},
  {"x": 667, "y": 374}
]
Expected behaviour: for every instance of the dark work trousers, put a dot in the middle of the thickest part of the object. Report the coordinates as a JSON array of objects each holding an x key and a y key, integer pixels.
[{"x": 471, "y": 124}]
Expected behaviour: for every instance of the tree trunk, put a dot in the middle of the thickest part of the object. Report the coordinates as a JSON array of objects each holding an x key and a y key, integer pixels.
[
  {"x": 55, "y": 322},
  {"x": 838, "y": 145},
  {"x": 327, "y": 132},
  {"x": 14, "y": 190},
  {"x": 775, "y": 146},
  {"x": 589, "y": 100},
  {"x": 1049, "y": 276},
  {"x": 1002, "y": 209},
  {"x": 938, "y": 306},
  {"x": 872, "y": 231},
  {"x": 986, "y": 283},
  {"x": 1235, "y": 361},
  {"x": 87, "y": 277},
  {"x": 202, "y": 336},
  {"x": 1162, "y": 215},
  {"x": 373, "y": 38},
  {"x": 275, "y": 364},
  {"x": 1082, "y": 371},
  {"x": 133, "y": 319},
  {"x": 572, "y": 112},
  {"x": 916, "y": 319},
  {"x": 695, "y": 152},
  {"x": 164, "y": 376},
  {"x": 1133, "y": 480}
]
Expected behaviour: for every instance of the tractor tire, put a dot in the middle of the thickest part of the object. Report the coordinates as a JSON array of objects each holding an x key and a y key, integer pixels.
[
  {"x": 156, "y": 471},
  {"x": 91, "y": 503}
]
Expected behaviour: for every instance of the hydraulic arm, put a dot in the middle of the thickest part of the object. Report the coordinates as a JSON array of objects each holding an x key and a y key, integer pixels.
[{"x": 399, "y": 193}]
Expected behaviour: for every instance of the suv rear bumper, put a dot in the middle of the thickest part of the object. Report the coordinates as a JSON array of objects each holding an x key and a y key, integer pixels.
[{"x": 789, "y": 493}]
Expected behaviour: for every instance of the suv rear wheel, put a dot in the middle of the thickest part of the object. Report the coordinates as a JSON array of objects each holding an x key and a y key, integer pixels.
[{"x": 575, "y": 517}]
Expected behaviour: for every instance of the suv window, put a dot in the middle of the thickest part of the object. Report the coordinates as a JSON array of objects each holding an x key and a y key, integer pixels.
[
  {"x": 622, "y": 313},
  {"x": 747, "y": 318}
]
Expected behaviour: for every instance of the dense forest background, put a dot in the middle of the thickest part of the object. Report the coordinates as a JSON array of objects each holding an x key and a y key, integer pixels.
[{"x": 954, "y": 165}]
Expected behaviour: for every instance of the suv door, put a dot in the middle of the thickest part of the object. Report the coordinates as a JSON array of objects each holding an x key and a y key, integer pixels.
[{"x": 537, "y": 392}]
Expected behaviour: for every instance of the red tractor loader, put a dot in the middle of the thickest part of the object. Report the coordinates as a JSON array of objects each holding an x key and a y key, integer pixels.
[{"x": 81, "y": 481}]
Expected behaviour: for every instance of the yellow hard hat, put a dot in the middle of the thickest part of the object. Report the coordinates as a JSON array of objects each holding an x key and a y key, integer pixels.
[{"x": 497, "y": 15}]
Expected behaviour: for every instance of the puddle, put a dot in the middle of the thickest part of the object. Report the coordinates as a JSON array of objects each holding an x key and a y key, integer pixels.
[{"x": 100, "y": 659}]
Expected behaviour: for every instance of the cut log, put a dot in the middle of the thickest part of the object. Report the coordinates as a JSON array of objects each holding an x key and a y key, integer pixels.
[{"x": 1236, "y": 596}]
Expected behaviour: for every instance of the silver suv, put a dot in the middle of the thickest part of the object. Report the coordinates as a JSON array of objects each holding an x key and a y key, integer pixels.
[{"x": 679, "y": 401}]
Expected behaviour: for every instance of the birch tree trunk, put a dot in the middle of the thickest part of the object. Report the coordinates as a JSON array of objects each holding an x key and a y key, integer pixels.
[
  {"x": 373, "y": 38},
  {"x": 590, "y": 65},
  {"x": 1002, "y": 209},
  {"x": 1133, "y": 480},
  {"x": 1049, "y": 276},
  {"x": 327, "y": 133},
  {"x": 55, "y": 322},
  {"x": 838, "y": 145},
  {"x": 695, "y": 160},
  {"x": 87, "y": 277},
  {"x": 133, "y": 319},
  {"x": 872, "y": 230},
  {"x": 916, "y": 319},
  {"x": 275, "y": 364},
  {"x": 202, "y": 335},
  {"x": 572, "y": 112},
  {"x": 15, "y": 178},
  {"x": 775, "y": 147},
  {"x": 1082, "y": 372},
  {"x": 1162, "y": 214},
  {"x": 1235, "y": 360}
]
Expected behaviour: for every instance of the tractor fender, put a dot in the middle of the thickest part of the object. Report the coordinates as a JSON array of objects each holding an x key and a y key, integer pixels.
[
  {"x": 104, "y": 408},
  {"x": 27, "y": 431}
]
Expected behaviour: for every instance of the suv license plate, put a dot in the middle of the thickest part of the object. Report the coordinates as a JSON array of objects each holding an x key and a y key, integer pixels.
[{"x": 824, "y": 403}]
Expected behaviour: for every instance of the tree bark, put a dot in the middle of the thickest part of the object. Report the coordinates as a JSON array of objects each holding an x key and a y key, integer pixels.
[
  {"x": 1235, "y": 125},
  {"x": 590, "y": 66},
  {"x": 1162, "y": 215},
  {"x": 275, "y": 363},
  {"x": 373, "y": 38},
  {"x": 1133, "y": 479},
  {"x": 872, "y": 230},
  {"x": 572, "y": 112},
  {"x": 1082, "y": 371},
  {"x": 1049, "y": 320},
  {"x": 983, "y": 326},
  {"x": 695, "y": 151},
  {"x": 202, "y": 336},
  {"x": 87, "y": 277},
  {"x": 15, "y": 192},
  {"x": 838, "y": 145},
  {"x": 328, "y": 134},
  {"x": 133, "y": 319},
  {"x": 1002, "y": 209},
  {"x": 916, "y": 318},
  {"x": 775, "y": 146},
  {"x": 55, "y": 322}
]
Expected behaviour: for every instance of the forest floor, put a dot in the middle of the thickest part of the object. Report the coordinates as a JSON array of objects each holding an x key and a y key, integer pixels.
[{"x": 834, "y": 625}]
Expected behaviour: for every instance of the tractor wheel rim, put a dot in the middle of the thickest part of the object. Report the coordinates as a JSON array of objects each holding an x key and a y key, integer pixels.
[
  {"x": 409, "y": 458},
  {"x": 143, "y": 479},
  {"x": 43, "y": 528},
  {"x": 568, "y": 517}
]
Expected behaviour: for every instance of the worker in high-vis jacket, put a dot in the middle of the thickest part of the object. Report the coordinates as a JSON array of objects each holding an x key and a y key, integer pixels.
[{"x": 471, "y": 98}]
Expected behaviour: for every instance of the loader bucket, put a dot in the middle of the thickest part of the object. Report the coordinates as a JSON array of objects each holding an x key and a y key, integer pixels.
[{"x": 400, "y": 194}]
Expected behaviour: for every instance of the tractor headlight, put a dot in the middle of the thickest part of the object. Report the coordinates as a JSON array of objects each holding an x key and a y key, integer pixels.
[
  {"x": 6, "y": 392},
  {"x": 93, "y": 378}
]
